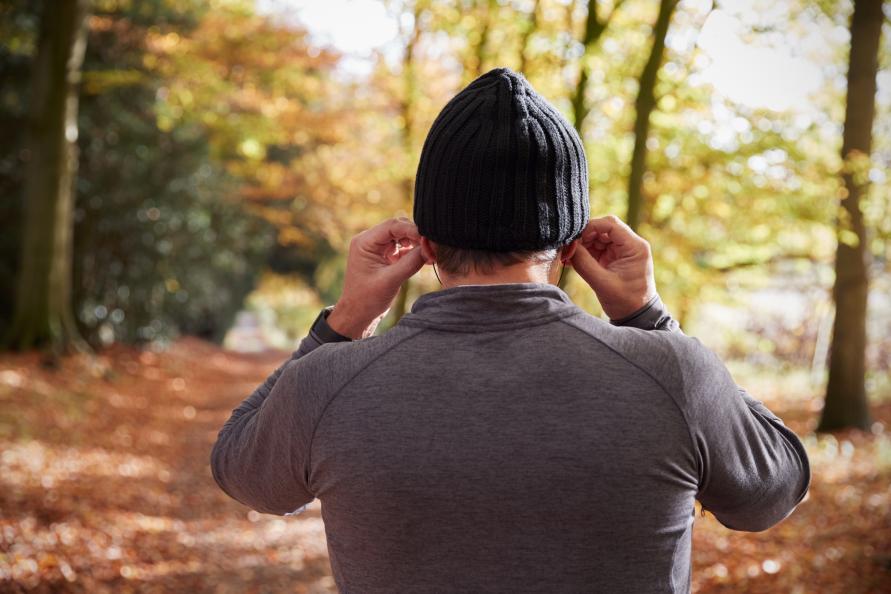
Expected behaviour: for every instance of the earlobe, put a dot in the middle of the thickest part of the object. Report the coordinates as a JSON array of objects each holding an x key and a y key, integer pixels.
[
  {"x": 568, "y": 251},
  {"x": 427, "y": 251}
]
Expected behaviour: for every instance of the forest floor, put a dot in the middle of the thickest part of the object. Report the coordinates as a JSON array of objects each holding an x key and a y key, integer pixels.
[{"x": 105, "y": 487}]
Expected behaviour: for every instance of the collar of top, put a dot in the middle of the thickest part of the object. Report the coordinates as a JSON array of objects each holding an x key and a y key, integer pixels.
[{"x": 474, "y": 308}]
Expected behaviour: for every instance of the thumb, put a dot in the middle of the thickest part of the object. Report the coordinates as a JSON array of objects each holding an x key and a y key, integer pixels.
[
  {"x": 588, "y": 267},
  {"x": 407, "y": 265}
]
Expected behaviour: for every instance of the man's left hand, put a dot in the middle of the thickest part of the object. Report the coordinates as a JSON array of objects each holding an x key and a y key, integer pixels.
[{"x": 380, "y": 260}]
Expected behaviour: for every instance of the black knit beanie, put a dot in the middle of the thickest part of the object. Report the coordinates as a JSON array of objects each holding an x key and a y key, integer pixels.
[{"x": 501, "y": 170}]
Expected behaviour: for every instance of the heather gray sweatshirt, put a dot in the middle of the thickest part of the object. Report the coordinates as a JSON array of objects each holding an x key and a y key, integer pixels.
[{"x": 501, "y": 439}]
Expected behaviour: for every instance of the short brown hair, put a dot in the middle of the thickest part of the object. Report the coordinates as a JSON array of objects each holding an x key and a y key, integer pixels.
[{"x": 461, "y": 261}]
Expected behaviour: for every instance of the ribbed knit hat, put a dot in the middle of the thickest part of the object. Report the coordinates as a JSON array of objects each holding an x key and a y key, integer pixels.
[{"x": 501, "y": 170}]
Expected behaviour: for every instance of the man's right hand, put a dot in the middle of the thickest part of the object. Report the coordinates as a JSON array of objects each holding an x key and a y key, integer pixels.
[
  {"x": 617, "y": 263},
  {"x": 380, "y": 260}
]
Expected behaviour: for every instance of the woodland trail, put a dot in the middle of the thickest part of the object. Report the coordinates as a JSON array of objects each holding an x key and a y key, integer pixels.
[{"x": 106, "y": 484}]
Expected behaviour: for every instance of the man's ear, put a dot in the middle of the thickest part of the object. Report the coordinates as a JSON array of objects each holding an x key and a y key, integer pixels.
[
  {"x": 568, "y": 250},
  {"x": 427, "y": 250}
]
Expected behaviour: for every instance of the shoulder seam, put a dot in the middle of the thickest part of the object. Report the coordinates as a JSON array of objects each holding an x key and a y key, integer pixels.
[
  {"x": 658, "y": 383},
  {"x": 343, "y": 386}
]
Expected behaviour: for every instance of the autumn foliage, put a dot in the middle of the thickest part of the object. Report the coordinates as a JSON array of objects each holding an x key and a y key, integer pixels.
[{"x": 225, "y": 155}]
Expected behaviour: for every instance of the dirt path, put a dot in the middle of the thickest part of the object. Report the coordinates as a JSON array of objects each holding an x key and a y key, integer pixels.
[
  {"x": 105, "y": 486},
  {"x": 105, "y": 483}
]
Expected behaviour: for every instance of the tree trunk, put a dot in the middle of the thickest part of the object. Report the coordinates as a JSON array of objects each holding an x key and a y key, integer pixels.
[
  {"x": 846, "y": 403},
  {"x": 594, "y": 28},
  {"x": 410, "y": 85},
  {"x": 644, "y": 105},
  {"x": 43, "y": 315}
]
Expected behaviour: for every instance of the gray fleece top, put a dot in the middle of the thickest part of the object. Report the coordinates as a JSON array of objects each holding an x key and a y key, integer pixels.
[{"x": 501, "y": 439}]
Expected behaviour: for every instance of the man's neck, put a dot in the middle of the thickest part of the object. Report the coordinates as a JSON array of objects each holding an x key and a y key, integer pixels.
[{"x": 508, "y": 275}]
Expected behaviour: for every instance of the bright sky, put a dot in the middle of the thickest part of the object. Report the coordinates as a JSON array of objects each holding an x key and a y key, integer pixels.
[
  {"x": 778, "y": 71},
  {"x": 355, "y": 27},
  {"x": 768, "y": 76}
]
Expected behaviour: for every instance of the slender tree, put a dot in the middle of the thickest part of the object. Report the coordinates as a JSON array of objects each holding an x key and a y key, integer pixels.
[
  {"x": 846, "y": 402},
  {"x": 407, "y": 107},
  {"x": 43, "y": 314},
  {"x": 595, "y": 26},
  {"x": 644, "y": 105}
]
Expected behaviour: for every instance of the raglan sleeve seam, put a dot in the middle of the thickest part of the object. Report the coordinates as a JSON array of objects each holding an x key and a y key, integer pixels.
[
  {"x": 703, "y": 476},
  {"x": 328, "y": 400},
  {"x": 658, "y": 382}
]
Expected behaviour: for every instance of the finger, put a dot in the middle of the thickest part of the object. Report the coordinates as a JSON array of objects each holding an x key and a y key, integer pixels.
[
  {"x": 400, "y": 249},
  {"x": 620, "y": 240},
  {"x": 407, "y": 265},
  {"x": 392, "y": 253},
  {"x": 587, "y": 266},
  {"x": 591, "y": 231},
  {"x": 607, "y": 228},
  {"x": 596, "y": 235},
  {"x": 612, "y": 228},
  {"x": 390, "y": 231}
]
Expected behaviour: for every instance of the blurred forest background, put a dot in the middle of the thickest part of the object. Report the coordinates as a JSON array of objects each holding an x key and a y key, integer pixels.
[{"x": 179, "y": 180}]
